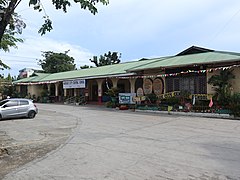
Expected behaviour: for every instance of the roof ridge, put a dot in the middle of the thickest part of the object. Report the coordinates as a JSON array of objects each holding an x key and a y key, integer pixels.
[{"x": 228, "y": 52}]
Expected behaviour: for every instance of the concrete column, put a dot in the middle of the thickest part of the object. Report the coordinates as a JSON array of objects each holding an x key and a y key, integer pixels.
[
  {"x": 99, "y": 82},
  {"x": 86, "y": 91},
  {"x": 49, "y": 87},
  {"x": 114, "y": 81},
  {"x": 132, "y": 85},
  {"x": 18, "y": 88},
  {"x": 65, "y": 92},
  {"x": 75, "y": 92},
  {"x": 56, "y": 89},
  {"x": 30, "y": 87}
]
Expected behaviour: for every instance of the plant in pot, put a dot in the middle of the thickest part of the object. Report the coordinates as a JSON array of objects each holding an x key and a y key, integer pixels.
[
  {"x": 77, "y": 102},
  {"x": 113, "y": 94},
  {"x": 44, "y": 95}
]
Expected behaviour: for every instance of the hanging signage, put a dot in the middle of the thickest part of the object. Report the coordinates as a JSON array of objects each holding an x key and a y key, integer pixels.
[
  {"x": 77, "y": 83},
  {"x": 126, "y": 98}
]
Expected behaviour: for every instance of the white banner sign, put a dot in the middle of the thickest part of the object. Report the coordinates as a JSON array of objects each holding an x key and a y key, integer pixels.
[{"x": 77, "y": 83}]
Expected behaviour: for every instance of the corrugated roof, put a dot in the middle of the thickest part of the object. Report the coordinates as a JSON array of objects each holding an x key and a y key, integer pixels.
[
  {"x": 109, "y": 70},
  {"x": 37, "y": 77},
  {"x": 191, "y": 59},
  {"x": 123, "y": 69}
]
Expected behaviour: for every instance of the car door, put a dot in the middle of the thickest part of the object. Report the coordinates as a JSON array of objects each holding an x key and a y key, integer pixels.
[
  {"x": 23, "y": 107},
  {"x": 10, "y": 109}
]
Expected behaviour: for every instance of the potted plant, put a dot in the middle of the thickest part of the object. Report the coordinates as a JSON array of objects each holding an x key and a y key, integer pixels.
[
  {"x": 113, "y": 94},
  {"x": 77, "y": 102}
]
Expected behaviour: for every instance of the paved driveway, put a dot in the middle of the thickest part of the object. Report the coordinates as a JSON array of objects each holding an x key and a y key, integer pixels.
[{"x": 110, "y": 144}]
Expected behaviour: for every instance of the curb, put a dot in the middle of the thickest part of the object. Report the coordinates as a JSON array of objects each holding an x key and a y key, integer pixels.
[{"x": 206, "y": 115}]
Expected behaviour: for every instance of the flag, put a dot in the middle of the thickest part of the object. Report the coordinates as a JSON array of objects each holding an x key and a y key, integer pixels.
[
  {"x": 211, "y": 102},
  {"x": 194, "y": 100}
]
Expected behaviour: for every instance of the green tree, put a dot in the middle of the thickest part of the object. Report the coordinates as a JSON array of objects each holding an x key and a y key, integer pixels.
[
  {"x": 222, "y": 86},
  {"x": 7, "y": 88},
  {"x": 10, "y": 20},
  {"x": 11, "y": 23},
  {"x": 56, "y": 62},
  {"x": 106, "y": 59},
  {"x": 8, "y": 41}
]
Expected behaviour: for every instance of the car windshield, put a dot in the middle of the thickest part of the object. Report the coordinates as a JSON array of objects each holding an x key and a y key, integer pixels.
[{"x": 3, "y": 102}]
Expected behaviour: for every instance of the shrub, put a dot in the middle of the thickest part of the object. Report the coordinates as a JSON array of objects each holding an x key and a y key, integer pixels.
[
  {"x": 152, "y": 97},
  {"x": 234, "y": 104}
]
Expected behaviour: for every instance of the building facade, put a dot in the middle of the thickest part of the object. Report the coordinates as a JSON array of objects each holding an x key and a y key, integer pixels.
[{"x": 187, "y": 71}]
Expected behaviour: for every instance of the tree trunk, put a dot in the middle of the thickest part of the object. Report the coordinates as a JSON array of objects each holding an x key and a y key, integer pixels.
[{"x": 6, "y": 16}]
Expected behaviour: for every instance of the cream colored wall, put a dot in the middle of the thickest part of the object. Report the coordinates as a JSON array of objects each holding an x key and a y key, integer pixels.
[
  {"x": 210, "y": 88},
  {"x": 35, "y": 90},
  {"x": 234, "y": 82},
  {"x": 17, "y": 88}
]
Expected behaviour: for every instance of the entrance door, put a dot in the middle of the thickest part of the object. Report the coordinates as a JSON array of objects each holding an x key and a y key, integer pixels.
[{"x": 94, "y": 92}]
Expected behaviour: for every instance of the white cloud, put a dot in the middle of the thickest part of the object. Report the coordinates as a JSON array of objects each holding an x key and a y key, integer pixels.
[
  {"x": 30, "y": 51},
  {"x": 135, "y": 28}
]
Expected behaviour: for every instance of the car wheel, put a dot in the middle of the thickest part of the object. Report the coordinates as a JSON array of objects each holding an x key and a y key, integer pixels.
[
  {"x": 0, "y": 117},
  {"x": 31, "y": 114}
]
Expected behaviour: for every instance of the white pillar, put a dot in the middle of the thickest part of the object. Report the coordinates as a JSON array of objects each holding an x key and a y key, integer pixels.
[
  {"x": 114, "y": 81},
  {"x": 75, "y": 92},
  {"x": 56, "y": 89},
  {"x": 65, "y": 92},
  {"x": 99, "y": 82},
  {"x": 49, "y": 87},
  {"x": 132, "y": 85}
]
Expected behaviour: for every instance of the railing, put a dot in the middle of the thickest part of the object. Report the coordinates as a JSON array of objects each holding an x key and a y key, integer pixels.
[
  {"x": 178, "y": 94},
  {"x": 75, "y": 100},
  {"x": 169, "y": 94},
  {"x": 70, "y": 100}
]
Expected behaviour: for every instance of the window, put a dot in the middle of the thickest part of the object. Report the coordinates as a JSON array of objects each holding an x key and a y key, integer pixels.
[
  {"x": 23, "y": 102},
  {"x": 192, "y": 84},
  {"x": 3, "y": 102},
  {"x": 11, "y": 103}
]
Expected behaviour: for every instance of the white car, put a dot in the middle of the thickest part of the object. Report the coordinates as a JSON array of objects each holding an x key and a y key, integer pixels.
[{"x": 17, "y": 107}]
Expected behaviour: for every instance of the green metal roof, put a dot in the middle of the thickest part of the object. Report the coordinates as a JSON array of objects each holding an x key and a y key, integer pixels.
[
  {"x": 128, "y": 68},
  {"x": 37, "y": 77},
  {"x": 103, "y": 71},
  {"x": 192, "y": 59}
]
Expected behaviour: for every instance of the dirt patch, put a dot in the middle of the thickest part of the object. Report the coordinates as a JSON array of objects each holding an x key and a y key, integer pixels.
[
  {"x": 25, "y": 140},
  {"x": 12, "y": 157}
]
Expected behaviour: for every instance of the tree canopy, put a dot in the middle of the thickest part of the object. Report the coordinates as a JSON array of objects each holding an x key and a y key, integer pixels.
[
  {"x": 106, "y": 59},
  {"x": 222, "y": 84},
  {"x": 56, "y": 62},
  {"x": 10, "y": 20}
]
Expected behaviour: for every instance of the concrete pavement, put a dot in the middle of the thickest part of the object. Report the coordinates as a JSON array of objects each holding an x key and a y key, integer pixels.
[{"x": 110, "y": 144}]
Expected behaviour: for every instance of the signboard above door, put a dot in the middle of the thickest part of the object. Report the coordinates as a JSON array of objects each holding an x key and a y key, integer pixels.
[{"x": 76, "y": 83}]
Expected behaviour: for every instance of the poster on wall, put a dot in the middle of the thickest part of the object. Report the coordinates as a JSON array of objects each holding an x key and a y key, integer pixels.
[
  {"x": 127, "y": 98},
  {"x": 158, "y": 86},
  {"x": 147, "y": 86},
  {"x": 76, "y": 83}
]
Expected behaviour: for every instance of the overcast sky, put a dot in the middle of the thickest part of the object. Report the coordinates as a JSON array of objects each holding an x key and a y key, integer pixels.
[{"x": 135, "y": 28}]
